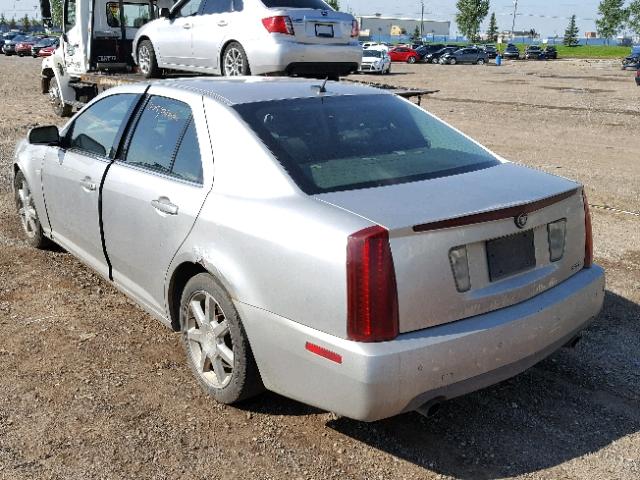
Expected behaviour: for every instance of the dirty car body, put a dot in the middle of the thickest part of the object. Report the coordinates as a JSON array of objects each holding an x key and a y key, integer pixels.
[{"x": 379, "y": 259}]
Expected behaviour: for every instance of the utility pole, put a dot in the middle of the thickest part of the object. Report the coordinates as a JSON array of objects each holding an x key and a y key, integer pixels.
[
  {"x": 515, "y": 12},
  {"x": 422, "y": 21}
]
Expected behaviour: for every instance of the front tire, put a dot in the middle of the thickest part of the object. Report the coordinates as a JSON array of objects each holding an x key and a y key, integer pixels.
[
  {"x": 60, "y": 108},
  {"x": 27, "y": 212},
  {"x": 234, "y": 61},
  {"x": 480, "y": 61},
  {"x": 216, "y": 343},
  {"x": 147, "y": 60},
  {"x": 411, "y": 60},
  {"x": 453, "y": 61}
]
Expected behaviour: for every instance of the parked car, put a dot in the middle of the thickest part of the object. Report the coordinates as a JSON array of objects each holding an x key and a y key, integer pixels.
[
  {"x": 43, "y": 43},
  {"x": 464, "y": 55},
  {"x": 23, "y": 47},
  {"x": 47, "y": 51},
  {"x": 435, "y": 56},
  {"x": 633, "y": 60},
  {"x": 242, "y": 37},
  {"x": 490, "y": 50},
  {"x": 511, "y": 52},
  {"x": 550, "y": 52},
  {"x": 376, "y": 61},
  {"x": 310, "y": 263},
  {"x": 9, "y": 47},
  {"x": 404, "y": 54},
  {"x": 534, "y": 52}
]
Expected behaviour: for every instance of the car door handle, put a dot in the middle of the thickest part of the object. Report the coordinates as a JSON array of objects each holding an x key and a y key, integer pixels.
[
  {"x": 87, "y": 184},
  {"x": 186, "y": 26},
  {"x": 164, "y": 205},
  {"x": 222, "y": 23}
]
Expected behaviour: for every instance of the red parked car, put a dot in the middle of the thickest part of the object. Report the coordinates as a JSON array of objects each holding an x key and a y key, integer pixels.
[
  {"x": 47, "y": 51},
  {"x": 404, "y": 54},
  {"x": 24, "y": 47}
]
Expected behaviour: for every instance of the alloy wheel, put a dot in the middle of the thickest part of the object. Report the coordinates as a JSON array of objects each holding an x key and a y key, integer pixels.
[
  {"x": 233, "y": 62},
  {"x": 144, "y": 59},
  {"x": 26, "y": 210},
  {"x": 209, "y": 339}
]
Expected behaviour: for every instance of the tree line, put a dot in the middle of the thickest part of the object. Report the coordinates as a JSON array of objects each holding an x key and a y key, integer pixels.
[
  {"x": 613, "y": 17},
  {"x": 26, "y": 23}
]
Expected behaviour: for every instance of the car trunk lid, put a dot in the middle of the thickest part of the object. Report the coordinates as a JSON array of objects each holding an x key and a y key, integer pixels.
[
  {"x": 313, "y": 26},
  {"x": 508, "y": 263}
]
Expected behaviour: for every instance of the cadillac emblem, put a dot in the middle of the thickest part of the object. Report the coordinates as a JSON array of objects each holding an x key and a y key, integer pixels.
[{"x": 521, "y": 220}]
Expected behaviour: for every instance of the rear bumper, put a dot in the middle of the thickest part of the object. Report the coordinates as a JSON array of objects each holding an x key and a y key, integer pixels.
[
  {"x": 380, "y": 380},
  {"x": 277, "y": 57}
]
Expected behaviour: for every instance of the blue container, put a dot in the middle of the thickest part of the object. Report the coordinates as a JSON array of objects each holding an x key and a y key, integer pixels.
[{"x": 499, "y": 60}]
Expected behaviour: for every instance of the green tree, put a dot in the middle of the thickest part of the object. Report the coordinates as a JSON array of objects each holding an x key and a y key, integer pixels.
[
  {"x": 335, "y": 4},
  {"x": 492, "y": 33},
  {"x": 26, "y": 23},
  {"x": 416, "y": 37},
  {"x": 470, "y": 15},
  {"x": 12, "y": 23},
  {"x": 571, "y": 33},
  {"x": 613, "y": 15},
  {"x": 56, "y": 13},
  {"x": 634, "y": 16},
  {"x": 3, "y": 20}
]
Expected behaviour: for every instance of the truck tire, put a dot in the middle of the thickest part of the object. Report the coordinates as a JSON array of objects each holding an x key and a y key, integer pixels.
[
  {"x": 147, "y": 60},
  {"x": 216, "y": 343},
  {"x": 235, "y": 61},
  {"x": 60, "y": 108}
]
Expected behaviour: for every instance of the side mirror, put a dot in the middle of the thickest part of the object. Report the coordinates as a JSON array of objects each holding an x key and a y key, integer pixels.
[
  {"x": 164, "y": 12},
  {"x": 48, "y": 135}
]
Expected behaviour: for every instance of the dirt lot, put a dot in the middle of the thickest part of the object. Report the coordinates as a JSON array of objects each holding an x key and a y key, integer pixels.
[{"x": 92, "y": 387}]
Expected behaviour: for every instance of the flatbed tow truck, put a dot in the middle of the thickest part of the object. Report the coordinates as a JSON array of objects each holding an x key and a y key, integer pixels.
[{"x": 95, "y": 52}]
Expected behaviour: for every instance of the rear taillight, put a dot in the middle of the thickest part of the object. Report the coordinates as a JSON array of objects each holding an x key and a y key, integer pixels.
[
  {"x": 372, "y": 294},
  {"x": 588, "y": 233},
  {"x": 280, "y": 24},
  {"x": 355, "y": 29}
]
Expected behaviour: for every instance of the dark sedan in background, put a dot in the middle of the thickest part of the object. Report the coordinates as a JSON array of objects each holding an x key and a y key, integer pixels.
[
  {"x": 465, "y": 55},
  {"x": 511, "y": 52},
  {"x": 633, "y": 60},
  {"x": 435, "y": 56},
  {"x": 551, "y": 52},
  {"x": 534, "y": 52}
]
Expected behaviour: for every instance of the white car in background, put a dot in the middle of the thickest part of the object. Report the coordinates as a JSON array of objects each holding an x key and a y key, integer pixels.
[
  {"x": 376, "y": 61},
  {"x": 250, "y": 37}
]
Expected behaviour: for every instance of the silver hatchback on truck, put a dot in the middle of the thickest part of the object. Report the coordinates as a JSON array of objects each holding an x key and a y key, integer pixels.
[{"x": 244, "y": 37}]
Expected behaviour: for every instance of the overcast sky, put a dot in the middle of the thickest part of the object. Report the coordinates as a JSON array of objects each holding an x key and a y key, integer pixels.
[{"x": 532, "y": 13}]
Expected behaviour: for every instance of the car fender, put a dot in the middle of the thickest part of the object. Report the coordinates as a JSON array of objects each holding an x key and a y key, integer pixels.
[{"x": 29, "y": 160}]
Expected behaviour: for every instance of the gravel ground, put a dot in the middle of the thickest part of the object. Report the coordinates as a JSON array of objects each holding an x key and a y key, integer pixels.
[{"x": 92, "y": 387}]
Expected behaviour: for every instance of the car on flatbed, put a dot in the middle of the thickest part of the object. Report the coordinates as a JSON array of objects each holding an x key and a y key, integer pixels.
[
  {"x": 244, "y": 37},
  {"x": 346, "y": 248}
]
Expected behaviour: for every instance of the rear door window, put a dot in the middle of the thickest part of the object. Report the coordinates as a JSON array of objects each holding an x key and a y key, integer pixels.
[
  {"x": 312, "y": 4},
  {"x": 217, "y": 6},
  {"x": 165, "y": 141}
]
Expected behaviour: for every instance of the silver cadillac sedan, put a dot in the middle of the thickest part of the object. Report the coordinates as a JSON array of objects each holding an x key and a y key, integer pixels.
[{"x": 337, "y": 245}]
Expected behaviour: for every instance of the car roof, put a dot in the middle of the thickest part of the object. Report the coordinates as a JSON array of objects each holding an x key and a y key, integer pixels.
[{"x": 241, "y": 90}]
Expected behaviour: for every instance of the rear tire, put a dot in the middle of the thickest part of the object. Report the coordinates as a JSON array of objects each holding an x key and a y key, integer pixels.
[
  {"x": 27, "y": 212},
  {"x": 147, "y": 60},
  {"x": 216, "y": 343},
  {"x": 234, "y": 61}
]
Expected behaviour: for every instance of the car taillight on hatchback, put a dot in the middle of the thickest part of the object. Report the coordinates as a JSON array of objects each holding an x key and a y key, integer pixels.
[
  {"x": 372, "y": 294},
  {"x": 355, "y": 29},
  {"x": 588, "y": 233},
  {"x": 280, "y": 24}
]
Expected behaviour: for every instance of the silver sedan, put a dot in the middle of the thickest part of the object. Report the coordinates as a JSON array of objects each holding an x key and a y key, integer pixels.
[{"x": 337, "y": 245}]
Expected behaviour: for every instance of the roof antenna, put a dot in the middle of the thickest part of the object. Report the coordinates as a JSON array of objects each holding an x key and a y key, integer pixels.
[{"x": 322, "y": 88}]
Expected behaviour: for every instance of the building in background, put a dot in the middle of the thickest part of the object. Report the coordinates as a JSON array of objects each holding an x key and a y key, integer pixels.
[{"x": 390, "y": 29}]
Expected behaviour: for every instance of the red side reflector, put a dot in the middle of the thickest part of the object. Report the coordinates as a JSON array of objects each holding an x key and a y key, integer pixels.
[
  {"x": 372, "y": 294},
  {"x": 588, "y": 233},
  {"x": 323, "y": 352}
]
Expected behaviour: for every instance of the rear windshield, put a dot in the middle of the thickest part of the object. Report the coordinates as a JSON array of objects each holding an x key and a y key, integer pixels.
[
  {"x": 329, "y": 144},
  {"x": 313, "y": 4}
]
